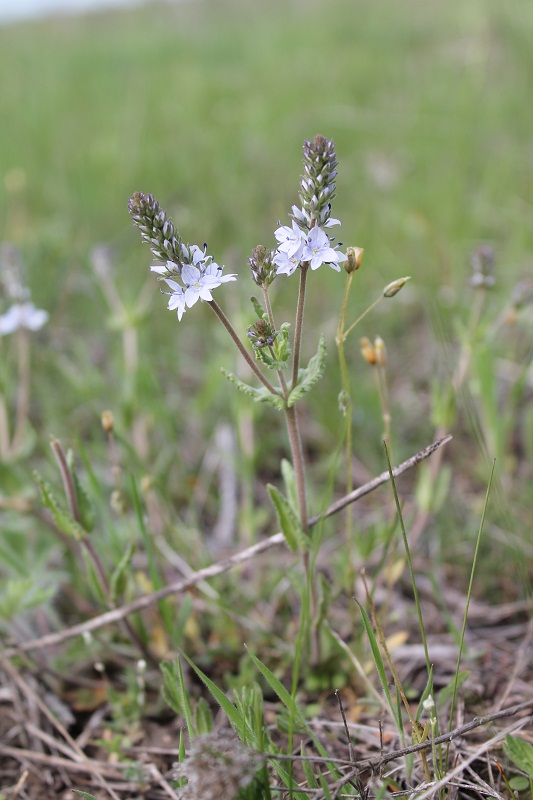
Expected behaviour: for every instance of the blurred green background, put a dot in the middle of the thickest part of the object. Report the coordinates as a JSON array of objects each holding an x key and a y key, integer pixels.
[{"x": 206, "y": 105}]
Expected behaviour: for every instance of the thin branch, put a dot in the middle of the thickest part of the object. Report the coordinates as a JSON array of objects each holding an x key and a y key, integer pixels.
[
  {"x": 338, "y": 505},
  {"x": 218, "y": 567}
]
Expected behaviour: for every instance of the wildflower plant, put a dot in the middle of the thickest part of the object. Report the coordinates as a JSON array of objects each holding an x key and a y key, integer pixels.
[{"x": 272, "y": 351}]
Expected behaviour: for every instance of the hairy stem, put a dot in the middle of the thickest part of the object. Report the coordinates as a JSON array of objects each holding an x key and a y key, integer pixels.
[
  {"x": 281, "y": 376},
  {"x": 299, "y": 323},
  {"x": 245, "y": 354}
]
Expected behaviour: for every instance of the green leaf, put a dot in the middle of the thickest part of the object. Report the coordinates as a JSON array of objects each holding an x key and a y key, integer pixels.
[
  {"x": 119, "y": 577},
  {"x": 378, "y": 661},
  {"x": 289, "y": 479},
  {"x": 520, "y": 752},
  {"x": 239, "y": 722},
  {"x": 85, "y": 794},
  {"x": 311, "y": 374},
  {"x": 258, "y": 308},
  {"x": 20, "y": 594},
  {"x": 85, "y": 504},
  {"x": 289, "y": 522},
  {"x": 203, "y": 718},
  {"x": 175, "y": 693},
  {"x": 93, "y": 579},
  {"x": 171, "y": 693},
  {"x": 261, "y": 395},
  {"x": 62, "y": 518},
  {"x": 292, "y": 707}
]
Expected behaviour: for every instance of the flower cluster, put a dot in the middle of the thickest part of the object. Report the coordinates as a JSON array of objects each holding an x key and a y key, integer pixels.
[
  {"x": 198, "y": 273},
  {"x": 314, "y": 246},
  {"x": 307, "y": 241},
  {"x": 22, "y": 313},
  {"x": 317, "y": 185}
]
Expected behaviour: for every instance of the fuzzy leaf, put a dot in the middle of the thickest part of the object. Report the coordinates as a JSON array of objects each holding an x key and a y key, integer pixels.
[
  {"x": 280, "y": 348},
  {"x": 258, "y": 308},
  {"x": 85, "y": 504},
  {"x": 20, "y": 594},
  {"x": 93, "y": 579},
  {"x": 521, "y": 752},
  {"x": 119, "y": 577},
  {"x": 175, "y": 693},
  {"x": 311, "y": 374},
  {"x": 239, "y": 722},
  {"x": 261, "y": 395},
  {"x": 62, "y": 518},
  {"x": 289, "y": 479},
  {"x": 289, "y": 522}
]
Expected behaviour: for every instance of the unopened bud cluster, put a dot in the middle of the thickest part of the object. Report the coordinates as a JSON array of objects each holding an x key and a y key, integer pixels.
[
  {"x": 317, "y": 186},
  {"x": 374, "y": 353},
  {"x": 155, "y": 227},
  {"x": 261, "y": 334},
  {"x": 263, "y": 269},
  {"x": 218, "y": 766},
  {"x": 354, "y": 259}
]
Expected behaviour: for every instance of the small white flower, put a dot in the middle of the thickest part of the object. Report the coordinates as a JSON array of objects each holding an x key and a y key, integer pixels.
[
  {"x": 318, "y": 251},
  {"x": 22, "y": 315},
  {"x": 285, "y": 263},
  {"x": 177, "y": 298},
  {"x": 198, "y": 278},
  {"x": 290, "y": 239}
]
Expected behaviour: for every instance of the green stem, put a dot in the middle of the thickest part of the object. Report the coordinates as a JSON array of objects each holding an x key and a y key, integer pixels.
[
  {"x": 348, "y": 400},
  {"x": 281, "y": 376},
  {"x": 245, "y": 354},
  {"x": 299, "y": 323},
  {"x": 363, "y": 315},
  {"x": 298, "y": 462}
]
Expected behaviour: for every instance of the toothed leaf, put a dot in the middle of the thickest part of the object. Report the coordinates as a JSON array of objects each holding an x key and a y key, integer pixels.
[
  {"x": 261, "y": 395},
  {"x": 310, "y": 375},
  {"x": 289, "y": 522}
]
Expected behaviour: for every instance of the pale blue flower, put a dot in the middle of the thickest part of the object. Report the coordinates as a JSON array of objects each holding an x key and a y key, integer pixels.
[
  {"x": 177, "y": 298},
  {"x": 318, "y": 250},
  {"x": 285, "y": 263},
  {"x": 22, "y": 315},
  {"x": 290, "y": 239},
  {"x": 198, "y": 278}
]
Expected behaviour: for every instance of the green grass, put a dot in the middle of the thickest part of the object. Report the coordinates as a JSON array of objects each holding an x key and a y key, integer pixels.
[{"x": 206, "y": 105}]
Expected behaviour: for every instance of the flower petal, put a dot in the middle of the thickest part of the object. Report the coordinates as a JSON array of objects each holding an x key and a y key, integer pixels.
[{"x": 190, "y": 274}]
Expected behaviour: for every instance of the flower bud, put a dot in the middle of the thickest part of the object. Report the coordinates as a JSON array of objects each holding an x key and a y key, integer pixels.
[
  {"x": 368, "y": 351},
  {"x": 354, "y": 259},
  {"x": 263, "y": 270},
  {"x": 380, "y": 352},
  {"x": 261, "y": 333},
  {"x": 393, "y": 288},
  {"x": 108, "y": 422}
]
